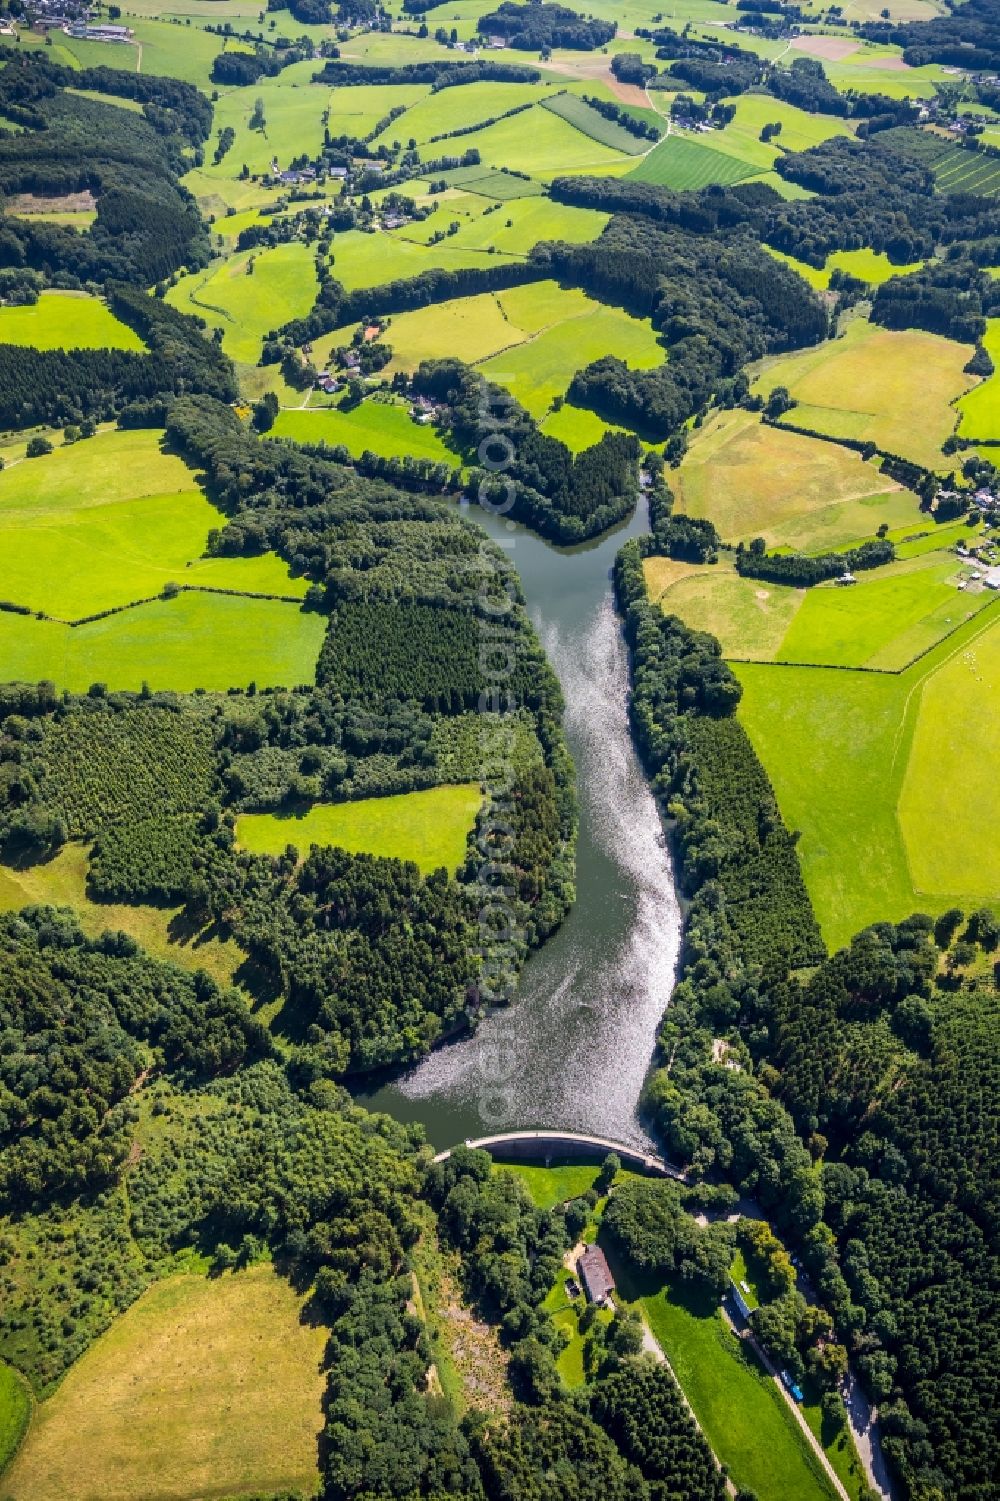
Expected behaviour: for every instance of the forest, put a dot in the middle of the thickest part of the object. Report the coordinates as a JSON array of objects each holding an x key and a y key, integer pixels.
[{"x": 895, "y": 1227}]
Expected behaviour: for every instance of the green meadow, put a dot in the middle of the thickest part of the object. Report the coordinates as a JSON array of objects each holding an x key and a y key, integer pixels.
[
  {"x": 980, "y": 409},
  {"x": 542, "y": 366},
  {"x": 110, "y": 520},
  {"x": 380, "y": 427},
  {"x": 531, "y": 339},
  {"x": 211, "y": 641},
  {"x": 67, "y": 320},
  {"x": 429, "y": 827},
  {"x": 737, "y": 1404},
  {"x": 871, "y": 266},
  {"x": 246, "y": 303},
  {"x": 684, "y": 163},
  {"x": 15, "y": 1412},
  {"x": 890, "y": 779},
  {"x": 894, "y": 388}
]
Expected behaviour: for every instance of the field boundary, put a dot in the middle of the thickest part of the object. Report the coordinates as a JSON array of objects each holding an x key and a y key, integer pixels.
[{"x": 10, "y": 608}]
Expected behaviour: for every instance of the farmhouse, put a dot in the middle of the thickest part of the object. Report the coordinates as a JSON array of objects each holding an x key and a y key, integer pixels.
[{"x": 595, "y": 1274}]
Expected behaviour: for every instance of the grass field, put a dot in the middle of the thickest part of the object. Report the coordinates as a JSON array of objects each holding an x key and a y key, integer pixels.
[
  {"x": 246, "y": 306},
  {"x": 15, "y": 1412},
  {"x": 755, "y": 480},
  {"x": 980, "y": 409},
  {"x": 577, "y": 427},
  {"x": 549, "y": 1186},
  {"x": 749, "y": 618},
  {"x": 891, "y": 780},
  {"x": 62, "y": 882},
  {"x": 561, "y": 332},
  {"x": 381, "y": 427},
  {"x": 683, "y": 162},
  {"x": 541, "y": 144},
  {"x": 531, "y": 339},
  {"x": 111, "y": 520},
  {"x": 429, "y": 827},
  {"x": 893, "y": 388},
  {"x": 211, "y": 641},
  {"x": 454, "y": 109},
  {"x": 66, "y": 320},
  {"x": 208, "y": 1387},
  {"x": 736, "y": 1403},
  {"x": 513, "y": 229},
  {"x": 593, "y": 124}
]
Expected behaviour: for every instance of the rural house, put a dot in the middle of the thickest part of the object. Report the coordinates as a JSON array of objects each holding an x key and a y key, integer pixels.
[{"x": 595, "y": 1274}]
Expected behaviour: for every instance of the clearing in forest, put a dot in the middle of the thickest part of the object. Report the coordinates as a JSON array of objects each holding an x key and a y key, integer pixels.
[
  {"x": 751, "y": 479},
  {"x": 380, "y": 427},
  {"x": 429, "y": 827},
  {"x": 892, "y": 388},
  {"x": 163, "y": 932},
  {"x": 208, "y": 1387},
  {"x": 112, "y": 519},
  {"x": 67, "y": 320}
]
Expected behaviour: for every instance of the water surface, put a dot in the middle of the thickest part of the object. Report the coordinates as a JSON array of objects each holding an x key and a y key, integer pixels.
[{"x": 573, "y": 1048}]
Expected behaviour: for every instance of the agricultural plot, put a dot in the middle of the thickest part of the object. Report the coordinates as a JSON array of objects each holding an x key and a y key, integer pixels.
[
  {"x": 514, "y": 229},
  {"x": 531, "y": 339},
  {"x": 980, "y": 409},
  {"x": 748, "y": 617},
  {"x": 250, "y": 294},
  {"x": 752, "y": 479},
  {"x": 205, "y": 1386},
  {"x": 430, "y": 828},
  {"x": 491, "y": 182},
  {"x": 380, "y": 427},
  {"x": 542, "y": 368},
  {"x": 15, "y": 1411},
  {"x": 293, "y": 124},
  {"x": 210, "y": 641},
  {"x": 436, "y": 115},
  {"x": 541, "y": 144},
  {"x": 957, "y": 170},
  {"x": 681, "y": 162},
  {"x": 891, "y": 780},
  {"x": 67, "y": 320},
  {"x": 799, "y": 130},
  {"x": 367, "y": 260},
  {"x": 162, "y": 931},
  {"x": 356, "y": 111},
  {"x": 577, "y": 427},
  {"x": 883, "y": 623},
  {"x": 593, "y": 124},
  {"x": 892, "y": 388},
  {"x": 103, "y": 523}
]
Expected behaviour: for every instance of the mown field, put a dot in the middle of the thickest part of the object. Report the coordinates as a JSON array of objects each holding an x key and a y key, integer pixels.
[
  {"x": 752, "y": 479},
  {"x": 883, "y": 622},
  {"x": 380, "y": 427},
  {"x": 208, "y": 1387},
  {"x": 980, "y": 409},
  {"x": 102, "y": 523},
  {"x": 162, "y": 931},
  {"x": 211, "y": 641},
  {"x": 66, "y": 320},
  {"x": 429, "y": 827},
  {"x": 892, "y": 388},
  {"x": 871, "y": 266},
  {"x": 249, "y": 294},
  {"x": 891, "y": 780},
  {"x": 737, "y": 1405}
]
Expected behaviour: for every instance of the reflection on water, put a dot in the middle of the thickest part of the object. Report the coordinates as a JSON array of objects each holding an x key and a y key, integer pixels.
[{"x": 573, "y": 1049}]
